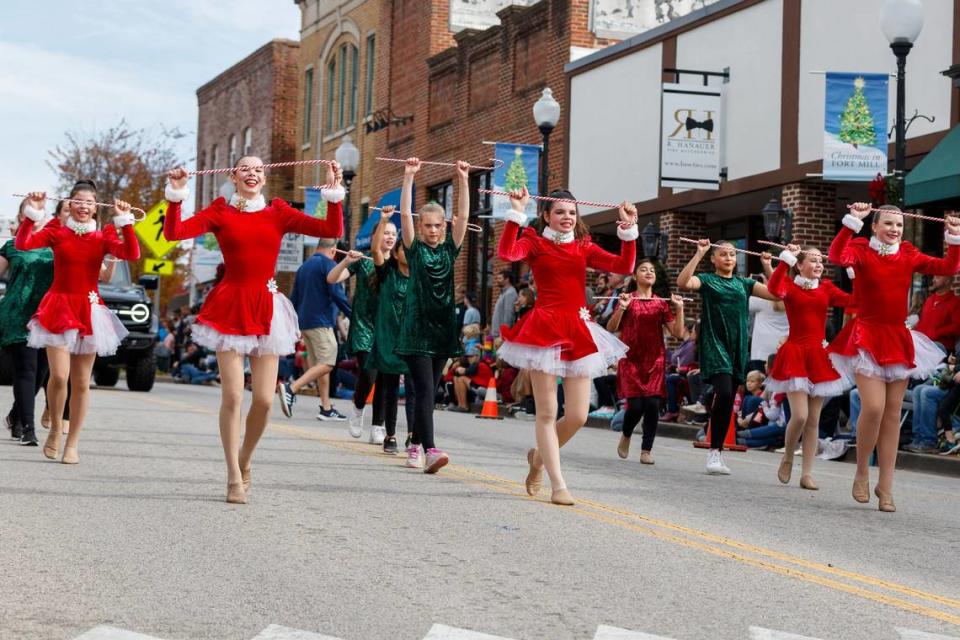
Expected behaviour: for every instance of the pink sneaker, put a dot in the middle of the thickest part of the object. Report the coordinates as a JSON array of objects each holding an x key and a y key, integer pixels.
[
  {"x": 436, "y": 460},
  {"x": 413, "y": 456}
]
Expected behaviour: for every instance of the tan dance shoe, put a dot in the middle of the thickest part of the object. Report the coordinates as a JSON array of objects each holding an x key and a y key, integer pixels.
[
  {"x": 562, "y": 497},
  {"x": 646, "y": 457},
  {"x": 245, "y": 476},
  {"x": 534, "y": 481},
  {"x": 886, "y": 501},
  {"x": 623, "y": 447},
  {"x": 786, "y": 469},
  {"x": 807, "y": 483},
  {"x": 861, "y": 490},
  {"x": 51, "y": 448},
  {"x": 70, "y": 456},
  {"x": 45, "y": 418},
  {"x": 235, "y": 493}
]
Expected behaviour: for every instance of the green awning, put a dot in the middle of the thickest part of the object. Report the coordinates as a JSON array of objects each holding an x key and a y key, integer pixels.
[{"x": 937, "y": 177}]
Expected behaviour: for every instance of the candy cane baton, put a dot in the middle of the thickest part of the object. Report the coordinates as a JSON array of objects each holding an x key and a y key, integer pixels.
[
  {"x": 777, "y": 245},
  {"x": 346, "y": 253},
  {"x": 272, "y": 165},
  {"x": 685, "y": 299},
  {"x": 142, "y": 217},
  {"x": 586, "y": 203},
  {"x": 496, "y": 163},
  {"x": 727, "y": 246},
  {"x": 907, "y": 213},
  {"x": 470, "y": 226}
]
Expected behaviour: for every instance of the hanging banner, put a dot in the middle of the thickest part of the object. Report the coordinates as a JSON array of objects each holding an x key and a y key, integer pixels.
[
  {"x": 520, "y": 168},
  {"x": 690, "y": 137},
  {"x": 316, "y": 206},
  {"x": 855, "y": 126},
  {"x": 391, "y": 198}
]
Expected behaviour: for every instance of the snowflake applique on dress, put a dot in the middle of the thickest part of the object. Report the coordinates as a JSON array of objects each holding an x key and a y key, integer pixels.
[
  {"x": 584, "y": 314},
  {"x": 93, "y": 297},
  {"x": 272, "y": 286}
]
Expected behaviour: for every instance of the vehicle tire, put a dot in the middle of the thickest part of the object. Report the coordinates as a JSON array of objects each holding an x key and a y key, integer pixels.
[
  {"x": 142, "y": 371},
  {"x": 106, "y": 376},
  {"x": 6, "y": 368}
]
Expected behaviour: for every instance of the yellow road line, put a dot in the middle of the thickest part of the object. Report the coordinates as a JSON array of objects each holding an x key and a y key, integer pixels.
[{"x": 735, "y": 550}]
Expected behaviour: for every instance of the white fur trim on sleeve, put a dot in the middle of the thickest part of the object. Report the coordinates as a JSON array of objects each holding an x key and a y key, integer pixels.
[
  {"x": 951, "y": 239},
  {"x": 788, "y": 257},
  {"x": 34, "y": 214},
  {"x": 123, "y": 220},
  {"x": 175, "y": 195},
  {"x": 334, "y": 195},
  {"x": 853, "y": 223},
  {"x": 628, "y": 233},
  {"x": 517, "y": 217}
]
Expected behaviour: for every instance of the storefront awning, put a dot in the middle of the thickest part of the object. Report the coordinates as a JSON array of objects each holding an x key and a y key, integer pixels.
[{"x": 937, "y": 177}]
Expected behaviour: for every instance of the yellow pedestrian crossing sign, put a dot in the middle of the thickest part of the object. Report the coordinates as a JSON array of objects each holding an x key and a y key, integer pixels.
[
  {"x": 158, "y": 267},
  {"x": 150, "y": 231}
]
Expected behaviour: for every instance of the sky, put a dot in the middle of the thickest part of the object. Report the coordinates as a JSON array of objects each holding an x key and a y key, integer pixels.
[{"x": 82, "y": 67}]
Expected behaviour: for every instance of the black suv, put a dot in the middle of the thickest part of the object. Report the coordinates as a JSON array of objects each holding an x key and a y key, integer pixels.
[{"x": 136, "y": 353}]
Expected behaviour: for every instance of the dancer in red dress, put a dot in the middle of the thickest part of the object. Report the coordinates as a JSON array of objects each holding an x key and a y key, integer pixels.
[
  {"x": 557, "y": 338},
  {"x": 802, "y": 368},
  {"x": 244, "y": 315},
  {"x": 641, "y": 317},
  {"x": 876, "y": 348},
  {"x": 72, "y": 322}
]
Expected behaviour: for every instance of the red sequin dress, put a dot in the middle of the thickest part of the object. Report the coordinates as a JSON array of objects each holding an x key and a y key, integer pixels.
[
  {"x": 71, "y": 314},
  {"x": 802, "y": 363},
  {"x": 643, "y": 372},
  {"x": 877, "y": 342},
  {"x": 557, "y": 336},
  {"x": 245, "y": 312}
]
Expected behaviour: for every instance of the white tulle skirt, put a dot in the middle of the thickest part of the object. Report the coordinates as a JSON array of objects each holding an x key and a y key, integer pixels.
[
  {"x": 282, "y": 339},
  {"x": 927, "y": 359},
  {"x": 813, "y": 389},
  {"x": 108, "y": 333},
  {"x": 548, "y": 359}
]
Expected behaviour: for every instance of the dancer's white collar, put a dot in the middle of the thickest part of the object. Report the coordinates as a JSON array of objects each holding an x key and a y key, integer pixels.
[
  {"x": 806, "y": 283},
  {"x": 248, "y": 206},
  {"x": 883, "y": 248},
  {"x": 81, "y": 228},
  {"x": 559, "y": 237}
]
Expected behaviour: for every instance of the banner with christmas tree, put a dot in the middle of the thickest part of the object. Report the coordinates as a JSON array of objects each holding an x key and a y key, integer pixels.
[
  {"x": 520, "y": 168},
  {"x": 316, "y": 206},
  {"x": 855, "y": 126}
]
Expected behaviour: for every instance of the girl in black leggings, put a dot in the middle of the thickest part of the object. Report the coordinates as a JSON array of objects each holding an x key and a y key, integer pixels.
[{"x": 723, "y": 336}]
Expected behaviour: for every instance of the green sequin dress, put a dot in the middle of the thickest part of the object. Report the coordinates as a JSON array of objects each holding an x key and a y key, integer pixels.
[
  {"x": 393, "y": 297},
  {"x": 360, "y": 339},
  {"x": 724, "y": 336},
  {"x": 429, "y": 321},
  {"x": 29, "y": 276}
]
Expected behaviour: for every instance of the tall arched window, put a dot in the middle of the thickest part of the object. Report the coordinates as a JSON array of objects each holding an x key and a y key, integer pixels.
[
  {"x": 343, "y": 82},
  {"x": 232, "y": 158},
  {"x": 248, "y": 141},
  {"x": 215, "y": 164},
  {"x": 200, "y": 181}
]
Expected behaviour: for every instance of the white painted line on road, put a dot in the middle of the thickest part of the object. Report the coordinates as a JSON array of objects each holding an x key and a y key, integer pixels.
[
  {"x": 613, "y": 633},
  {"x": 759, "y": 633},
  {"x": 912, "y": 634},
  {"x": 278, "y": 632},
  {"x": 443, "y": 632},
  {"x": 106, "y": 632}
]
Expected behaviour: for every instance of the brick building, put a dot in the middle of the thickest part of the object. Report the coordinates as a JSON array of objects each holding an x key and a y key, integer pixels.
[
  {"x": 338, "y": 91},
  {"x": 249, "y": 109},
  {"x": 448, "y": 92}
]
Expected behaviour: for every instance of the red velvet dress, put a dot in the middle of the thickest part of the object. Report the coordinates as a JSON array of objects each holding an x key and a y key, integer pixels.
[
  {"x": 801, "y": 363},
  {"x": 71, "y": 314},
  {"x": 643, "y": 373},
  {"x": 877, "y": 342},
  {"x": 244, "y": 312},
  {"x": 557, "y": 335}
]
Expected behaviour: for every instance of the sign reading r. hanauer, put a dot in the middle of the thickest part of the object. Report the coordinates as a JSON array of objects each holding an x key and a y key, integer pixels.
[
  {"x": 690, "y": 137},
  {"x": 855, "y": 126}
]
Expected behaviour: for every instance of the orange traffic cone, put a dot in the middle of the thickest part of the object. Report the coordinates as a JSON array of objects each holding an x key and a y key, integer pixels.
[
  {"x": 729, "y": 443},
  {"x": 373, "y": 389},
  {"x": 490, "y": 410}
]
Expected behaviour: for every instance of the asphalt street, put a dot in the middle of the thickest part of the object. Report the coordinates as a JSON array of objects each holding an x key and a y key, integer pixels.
[{"x": 341, "y": 541}]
